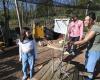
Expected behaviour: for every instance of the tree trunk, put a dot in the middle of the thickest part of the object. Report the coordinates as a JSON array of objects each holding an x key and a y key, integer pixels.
[{"x": 6, "y": 24}]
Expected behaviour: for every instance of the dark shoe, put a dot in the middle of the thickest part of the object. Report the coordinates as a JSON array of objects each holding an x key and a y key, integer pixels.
[{"x": 88, "y": 78}]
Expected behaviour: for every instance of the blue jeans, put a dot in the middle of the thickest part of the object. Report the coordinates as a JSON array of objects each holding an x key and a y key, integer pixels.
[
  {"x": 28, "y": 59},
  {"x": 91, "y": 60}
]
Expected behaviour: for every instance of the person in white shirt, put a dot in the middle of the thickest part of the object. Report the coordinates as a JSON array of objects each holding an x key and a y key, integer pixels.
[{"x": 27, "y": 52}]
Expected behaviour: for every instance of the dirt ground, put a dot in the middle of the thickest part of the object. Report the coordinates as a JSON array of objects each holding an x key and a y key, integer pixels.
[{"x": 10, "y": 67}]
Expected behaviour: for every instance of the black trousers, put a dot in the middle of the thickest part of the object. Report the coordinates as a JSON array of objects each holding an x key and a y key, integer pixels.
[{"x": 74, "y": 39}]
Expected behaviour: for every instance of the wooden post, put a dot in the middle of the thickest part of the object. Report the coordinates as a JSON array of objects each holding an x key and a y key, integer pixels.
[{"x": 18, "y": 16}]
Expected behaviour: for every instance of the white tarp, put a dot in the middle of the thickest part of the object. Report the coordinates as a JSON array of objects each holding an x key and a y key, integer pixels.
[{"x": 61, "y": 25}]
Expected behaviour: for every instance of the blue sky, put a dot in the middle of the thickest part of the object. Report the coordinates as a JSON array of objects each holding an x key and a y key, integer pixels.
[
  {"x": 59, "y": 1},
  {"x": 65, "y": 1}
]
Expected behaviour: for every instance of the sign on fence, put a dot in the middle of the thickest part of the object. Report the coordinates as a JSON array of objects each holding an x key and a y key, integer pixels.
[{"x": 61, "y": 25}]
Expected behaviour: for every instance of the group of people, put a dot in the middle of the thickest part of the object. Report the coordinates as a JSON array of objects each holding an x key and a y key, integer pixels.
[
  {"x": 75, "y": 33},
  {"x": 92, "y": 39}
]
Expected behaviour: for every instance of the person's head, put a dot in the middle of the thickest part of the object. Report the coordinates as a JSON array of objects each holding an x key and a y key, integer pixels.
[
  {"x": 74, "y": 17},
  {"x": 26, "y": 33},
  {"x": 89, "y": 19}
]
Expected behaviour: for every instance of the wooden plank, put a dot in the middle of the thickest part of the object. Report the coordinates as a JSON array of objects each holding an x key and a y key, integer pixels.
[
  {"x": 66, "y": 68},
  {"x": 52, "y": 69},
  {"x": 10, "y": 48},
  {"x": 46, "y": 69},
  {"x": 42, "y": 72},
  {"x": 58, "y": 71},
  {"x": 53, "y": 47}
]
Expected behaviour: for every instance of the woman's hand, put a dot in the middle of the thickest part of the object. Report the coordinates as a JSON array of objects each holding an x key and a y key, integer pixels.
[
  {"x": 77, "y": 43},
  {"x": 88, "y": 37}
]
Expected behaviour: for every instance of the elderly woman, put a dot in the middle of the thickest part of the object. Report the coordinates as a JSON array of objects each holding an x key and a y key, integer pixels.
[
  {"x": 92, "y": 38},
  {"x": 27, "y": 52}
]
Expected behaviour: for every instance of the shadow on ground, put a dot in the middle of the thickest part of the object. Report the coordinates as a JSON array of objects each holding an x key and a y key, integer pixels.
[{"x": 10, "y": 67}]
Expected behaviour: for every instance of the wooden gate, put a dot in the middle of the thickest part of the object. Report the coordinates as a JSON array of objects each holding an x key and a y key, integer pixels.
[{"x": 57, "y": 70}]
